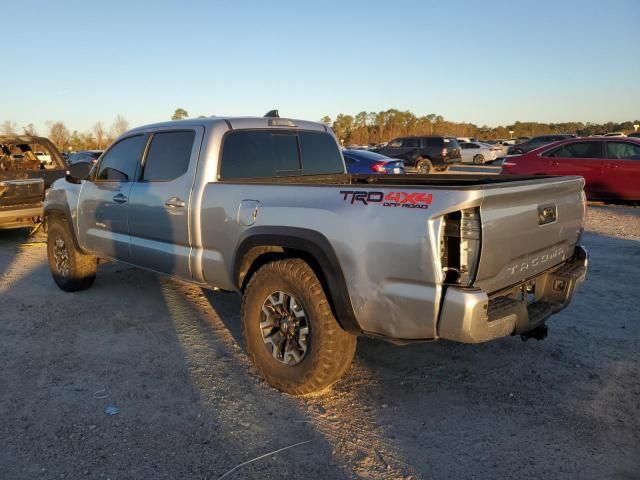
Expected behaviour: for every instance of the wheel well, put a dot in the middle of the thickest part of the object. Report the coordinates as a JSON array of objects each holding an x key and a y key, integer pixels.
[
  {"x": 58, "y": 215},
  {"x": 332, "y": 281},
  {"x": 259, "y": 256}
]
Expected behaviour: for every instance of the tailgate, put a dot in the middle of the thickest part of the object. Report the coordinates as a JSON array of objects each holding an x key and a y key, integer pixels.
[
  {"x": 527, "y": 229},
  {"x": 27, "y": 191}
]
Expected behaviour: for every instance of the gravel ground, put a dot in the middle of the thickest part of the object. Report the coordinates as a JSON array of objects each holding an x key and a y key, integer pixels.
[{"x": 169, "y": 357}]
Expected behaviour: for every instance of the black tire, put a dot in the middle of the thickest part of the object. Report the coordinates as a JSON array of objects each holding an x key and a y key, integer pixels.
[
  {"x": 424, "y": 165},
  {"x": 329, "y": 349},
  {"x": 71, "y": 269},
  {"x": 478, "y": 159}
]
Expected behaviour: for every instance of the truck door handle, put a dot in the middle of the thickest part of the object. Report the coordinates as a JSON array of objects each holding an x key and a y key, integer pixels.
[
  {"x": 555, "y": 164},
  {"x": 120, "y": 198},
  {"x": 613, "y": 165},
  {"x": 174, "y": 202}
]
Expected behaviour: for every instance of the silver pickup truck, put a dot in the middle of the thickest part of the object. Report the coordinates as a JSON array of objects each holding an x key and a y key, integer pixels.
[{"x": 263, "y": 206}]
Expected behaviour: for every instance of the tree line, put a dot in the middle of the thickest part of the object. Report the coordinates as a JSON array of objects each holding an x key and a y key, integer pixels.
[
  {"x": 366, "y": 128},
  {"x": 98, "y": 137}
]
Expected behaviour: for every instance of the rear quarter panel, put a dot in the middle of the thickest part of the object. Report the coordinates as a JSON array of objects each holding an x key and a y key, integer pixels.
[{"x": 386, "y": 253}]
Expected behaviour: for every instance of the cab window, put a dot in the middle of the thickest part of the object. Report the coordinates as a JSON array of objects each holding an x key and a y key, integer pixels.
[
  {"x": 119, "y": 164},
  {"x": 576, "y": 150},
  {"x": 168, "y": 156}
]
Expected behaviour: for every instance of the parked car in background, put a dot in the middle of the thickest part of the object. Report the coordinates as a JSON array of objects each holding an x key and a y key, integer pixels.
[
  {"x": 363, "y": 161},
  {"x": 89, "y": 156},
  {"x": 536, "y": 142},
  {"x": 610, "y": 165},
  {"x": 476, "y": 152},
  {"x": 43, "y": 157},
  {"x": 614, "y": 134},
  {"x": 634, "y": 135},
  {"x": 424, "y": 153},
  {"x": 466, "y": 139}
]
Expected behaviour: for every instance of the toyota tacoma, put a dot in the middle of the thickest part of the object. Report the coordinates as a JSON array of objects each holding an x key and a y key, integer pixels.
[{"x": 264, "y": 206}]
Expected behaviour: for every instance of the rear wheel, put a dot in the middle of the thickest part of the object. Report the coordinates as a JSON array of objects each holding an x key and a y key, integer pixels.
[
  {"x": 424, "y": 165},
  {"x": 72, "y": 270},
  {"x": 289, "y": 330},
  {"x": 478, "y": 159}
]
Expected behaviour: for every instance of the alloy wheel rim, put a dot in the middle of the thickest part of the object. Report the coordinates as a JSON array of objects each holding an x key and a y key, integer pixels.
[
  {"x": 284, "y": 327},
  {"x": 61, "y": 257}
]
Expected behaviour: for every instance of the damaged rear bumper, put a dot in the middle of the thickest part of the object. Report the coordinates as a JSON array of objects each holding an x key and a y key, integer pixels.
[{"x": 471, "y": 316}]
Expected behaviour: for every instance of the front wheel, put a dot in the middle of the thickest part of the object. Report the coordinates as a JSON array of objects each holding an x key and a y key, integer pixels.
[
  {"x": 478, "y": 159},
  {"x": 289, "y": 330},
  {"x": 72, "y": 270}
]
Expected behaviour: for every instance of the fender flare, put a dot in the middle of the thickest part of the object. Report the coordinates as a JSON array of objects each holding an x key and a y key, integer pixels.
[
  {"x": 64, "y": 212},
  {"x": 316, "y": 246}
]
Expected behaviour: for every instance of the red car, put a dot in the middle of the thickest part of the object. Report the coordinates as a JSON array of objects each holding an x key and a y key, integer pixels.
[{"x": 610, "y": 166}]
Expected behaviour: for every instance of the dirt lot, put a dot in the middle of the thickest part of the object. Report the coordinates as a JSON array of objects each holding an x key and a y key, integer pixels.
[{"x": 169, "y": 356}]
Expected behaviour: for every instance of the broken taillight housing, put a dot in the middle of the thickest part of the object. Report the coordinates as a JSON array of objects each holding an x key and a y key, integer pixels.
[{"x": 460, "y": 246}]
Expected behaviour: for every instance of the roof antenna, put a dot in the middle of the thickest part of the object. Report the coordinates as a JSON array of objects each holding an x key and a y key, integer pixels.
[{"x": 272, "y": 114}]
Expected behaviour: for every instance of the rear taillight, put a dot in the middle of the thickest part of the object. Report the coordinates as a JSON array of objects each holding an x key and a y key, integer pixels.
[
  {"x": 379, "y": 167},
  {"x": 508, "y": 164},
  {"x": 444, "y": 152},
  {"x": 460, "y": 246}
]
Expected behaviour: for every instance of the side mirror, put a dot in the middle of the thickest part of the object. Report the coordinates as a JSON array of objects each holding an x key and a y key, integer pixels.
[{"x": 78, "y": 172}]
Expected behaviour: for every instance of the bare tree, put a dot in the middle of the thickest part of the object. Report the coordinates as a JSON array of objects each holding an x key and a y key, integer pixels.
[
  {"x": 120, "y": 125},
  {"x": 8, "y": 128},
  {"x": 99, "y": 134},
  {"x": 59, "y": 134},
  {"x": 29, "y": 129}
]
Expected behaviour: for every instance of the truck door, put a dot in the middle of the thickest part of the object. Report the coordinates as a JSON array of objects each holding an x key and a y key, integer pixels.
[
  {"x": 622, "y": 170},
  {"x": 160, "y": 209},
  {"x": 584, "y": 158},
  {"x": 104, "y": 200}
]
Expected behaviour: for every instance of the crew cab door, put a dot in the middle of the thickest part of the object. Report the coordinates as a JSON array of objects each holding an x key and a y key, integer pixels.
[
  {"x": 579, "y": 158},
  {"x": 104, "y": 200},
  {"x": 622, "y": 170},
  {"x": 159, "y": 207}
]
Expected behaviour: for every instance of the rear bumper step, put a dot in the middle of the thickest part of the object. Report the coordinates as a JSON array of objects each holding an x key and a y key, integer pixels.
[{"x": 470, "y": 316}]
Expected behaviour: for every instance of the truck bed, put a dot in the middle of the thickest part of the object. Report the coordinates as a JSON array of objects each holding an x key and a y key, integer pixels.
[{"x": 461, "y": 181}]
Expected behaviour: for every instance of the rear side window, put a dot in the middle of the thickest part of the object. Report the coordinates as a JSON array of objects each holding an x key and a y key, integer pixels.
[
  {"x": 576, "y": 150},
  {"x": 120, "y": 162},
  {"x": 320, "y": 154},
  {"x": 623, "y": 151},
  {"x": 264, "y": 153},
  {"x": 169, "y": 155},
  {"x": 433, "y": 142},
  {"x": 255, "y": 154},
  {"x": 411, "y": 143}
]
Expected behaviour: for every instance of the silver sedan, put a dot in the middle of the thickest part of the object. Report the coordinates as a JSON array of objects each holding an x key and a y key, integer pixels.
[{"x": 476, "y": 152}]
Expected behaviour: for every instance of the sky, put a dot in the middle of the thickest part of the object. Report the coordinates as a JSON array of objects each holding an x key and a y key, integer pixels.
[{"x": 490, "y": 62}]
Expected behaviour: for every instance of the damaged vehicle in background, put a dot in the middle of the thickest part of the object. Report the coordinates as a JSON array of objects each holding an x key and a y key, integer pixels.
[{"x": 28, "y": 166}]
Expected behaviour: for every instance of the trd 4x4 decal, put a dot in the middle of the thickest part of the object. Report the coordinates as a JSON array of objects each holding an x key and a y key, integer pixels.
[{"x": 391, "y": 199}]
